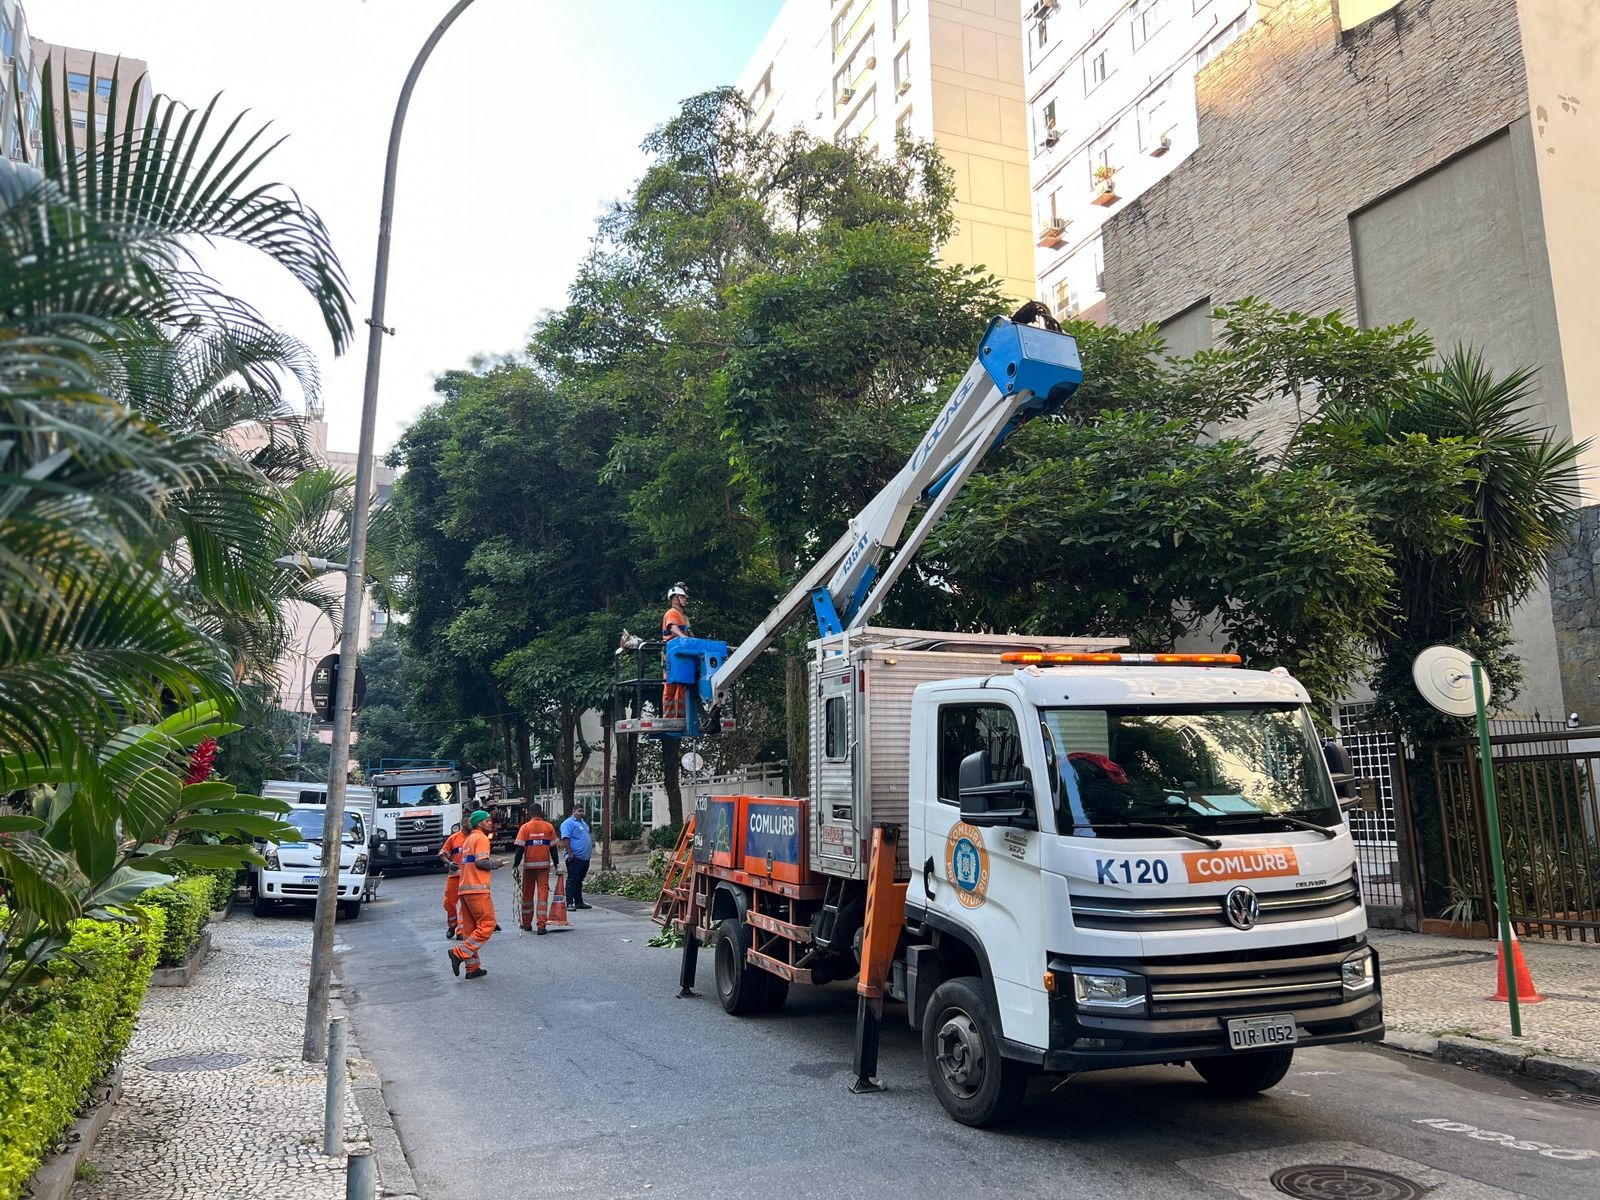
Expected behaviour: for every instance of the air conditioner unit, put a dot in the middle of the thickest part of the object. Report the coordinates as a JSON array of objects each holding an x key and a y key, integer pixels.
[
  {"x": 1051, "y": 138},
  {"x": 846, "y": 95},
  {"x": 1162, "y": 146},
  {"x": 1042, "y": 8},
  {"x": 905, "y": 86}
]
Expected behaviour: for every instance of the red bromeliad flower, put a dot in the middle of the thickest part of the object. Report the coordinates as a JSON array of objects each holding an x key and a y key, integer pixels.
[{"x": 200, "y": 761}]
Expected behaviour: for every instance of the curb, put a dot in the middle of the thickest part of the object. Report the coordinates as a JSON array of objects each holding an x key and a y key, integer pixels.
[
  {"x": 57, "y": 1174},
  {"x": 184, "y": 975},
  {"x": 394, "y": 1172},
  {"x": 1496, "y": 1059}
]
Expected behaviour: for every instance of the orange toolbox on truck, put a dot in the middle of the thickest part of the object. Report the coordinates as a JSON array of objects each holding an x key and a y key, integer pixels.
[{"x": 772, "y": 835}]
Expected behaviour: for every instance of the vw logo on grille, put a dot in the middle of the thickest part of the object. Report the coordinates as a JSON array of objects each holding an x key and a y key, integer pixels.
[
  {"x": 1242, "y": 908},
  {"x": 418, "y": 825}
]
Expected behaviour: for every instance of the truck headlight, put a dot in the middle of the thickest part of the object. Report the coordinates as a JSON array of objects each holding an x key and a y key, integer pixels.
[
  {"x": 1358, "y": 973},
  {"x": 1108, "y": 991},
  {"x": 360, "y": 867},
  {"x": 271, "y": 856}
]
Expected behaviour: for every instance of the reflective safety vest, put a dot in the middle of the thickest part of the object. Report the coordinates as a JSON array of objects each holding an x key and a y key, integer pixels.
[
  {"x": 537, "y": 838},
  {"x": 452, "y": 849},
  {"x": 473, "y": 877}
]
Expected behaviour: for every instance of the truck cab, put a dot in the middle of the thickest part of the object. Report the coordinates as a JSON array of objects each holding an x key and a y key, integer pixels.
[
  {"x": 418, "y": 805},
  {"x": 1134, "y": 863},
  {"x": 292, "y": 869}
]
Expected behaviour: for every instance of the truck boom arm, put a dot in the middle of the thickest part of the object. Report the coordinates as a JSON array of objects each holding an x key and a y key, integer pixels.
[{"x": 1020, "y": 372}]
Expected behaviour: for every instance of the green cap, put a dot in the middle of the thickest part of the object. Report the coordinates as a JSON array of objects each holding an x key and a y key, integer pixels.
[{"x": 477, "y": 819}]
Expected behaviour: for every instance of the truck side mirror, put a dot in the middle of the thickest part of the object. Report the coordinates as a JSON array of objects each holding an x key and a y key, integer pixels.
[
  {"x": 1342, "y": 768},
  {"x": 988, "y": 804}
]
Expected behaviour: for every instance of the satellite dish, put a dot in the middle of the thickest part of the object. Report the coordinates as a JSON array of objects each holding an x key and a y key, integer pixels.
[
  {"x": 1443, "y": 674},
  {"x": 692, "y": 761}
]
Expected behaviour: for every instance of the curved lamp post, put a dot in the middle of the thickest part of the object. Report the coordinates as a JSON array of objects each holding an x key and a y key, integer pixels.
[{"x": 315, "y": 1045}]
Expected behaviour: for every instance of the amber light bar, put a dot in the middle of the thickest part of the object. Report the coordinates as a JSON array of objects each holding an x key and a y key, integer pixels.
[{"x": 1035, "y": 658}]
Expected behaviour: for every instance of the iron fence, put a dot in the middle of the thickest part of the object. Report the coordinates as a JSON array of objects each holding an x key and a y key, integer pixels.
[{"x": 1546, "y": 783}]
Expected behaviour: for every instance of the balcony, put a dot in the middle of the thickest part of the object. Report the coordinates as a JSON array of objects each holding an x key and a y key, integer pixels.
[{"x": 1052, "y": 236}]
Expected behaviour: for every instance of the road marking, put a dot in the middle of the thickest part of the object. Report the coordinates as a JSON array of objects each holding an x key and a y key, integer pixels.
[{"x": 1509, "y": 1141}]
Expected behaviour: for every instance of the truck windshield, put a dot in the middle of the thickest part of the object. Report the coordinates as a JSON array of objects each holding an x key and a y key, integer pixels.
[
  {"x": 1206, "y": 768},
  {"x": 309, "y": 821},
  {"x": 417, "y": 795}
]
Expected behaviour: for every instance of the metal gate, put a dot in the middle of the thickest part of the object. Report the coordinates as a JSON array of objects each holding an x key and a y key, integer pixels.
[
  {"x": 1378, "y": 847},
  {"x": 1546, "y": 784}
]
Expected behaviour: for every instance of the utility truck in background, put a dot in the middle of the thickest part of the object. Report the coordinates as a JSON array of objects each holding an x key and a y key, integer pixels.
[
  {"x": 1057, "y": 854},
  {"x": 292, "y": 869},
  {"x": 418, "y": 806}
]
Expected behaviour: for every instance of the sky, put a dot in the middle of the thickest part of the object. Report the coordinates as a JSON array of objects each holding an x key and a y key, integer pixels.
[{"x": 525, "y": 123}]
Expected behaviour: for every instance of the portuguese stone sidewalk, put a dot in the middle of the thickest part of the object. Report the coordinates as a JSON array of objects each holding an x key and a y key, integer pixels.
[
  {"x": 215, "y": 1099},
  {"x": 1433, "y": 1001}
]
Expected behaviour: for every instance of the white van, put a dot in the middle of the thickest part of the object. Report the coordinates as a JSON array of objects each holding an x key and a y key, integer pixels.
[{"x": 293, "y": 869}]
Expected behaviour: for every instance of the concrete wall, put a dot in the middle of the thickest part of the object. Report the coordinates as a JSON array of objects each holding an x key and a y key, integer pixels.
[{"x": 1575, "y": 598}]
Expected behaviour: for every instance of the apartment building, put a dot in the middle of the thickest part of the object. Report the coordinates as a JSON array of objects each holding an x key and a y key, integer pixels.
[
  {"x": 19, "y": 140},
  {"x": 89, "y": 71},
  {"x": 22, "y": 60},
  {"x": 945, "y": 71},
  {"x": 1111, "y": 110},
  {"x": 1395, "y": 160}
]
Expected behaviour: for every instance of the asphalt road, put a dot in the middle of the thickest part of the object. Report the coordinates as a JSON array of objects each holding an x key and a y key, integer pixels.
[{"x": 572, "y": 1069}]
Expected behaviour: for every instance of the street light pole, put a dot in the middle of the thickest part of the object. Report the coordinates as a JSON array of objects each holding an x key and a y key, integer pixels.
[{"x": 314, "y": 1047}]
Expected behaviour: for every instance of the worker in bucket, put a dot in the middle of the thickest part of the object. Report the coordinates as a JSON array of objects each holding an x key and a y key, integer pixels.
[
  {"x": 477, "y": 906},
  {"x": 675, "y": 624},
  {"x": 534, "y": 859}
]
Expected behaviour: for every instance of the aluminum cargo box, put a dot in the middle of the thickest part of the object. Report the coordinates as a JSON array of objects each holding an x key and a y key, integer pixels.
[{"x": 860, "y": 691}]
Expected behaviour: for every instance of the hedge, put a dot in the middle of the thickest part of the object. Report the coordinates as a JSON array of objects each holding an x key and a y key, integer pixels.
[
  {"x": 187, "y": 904},
  {"x": 222, "y": 880},
  {"x": 626, "y": 831},
  {"x": 51, "y": 1055}
]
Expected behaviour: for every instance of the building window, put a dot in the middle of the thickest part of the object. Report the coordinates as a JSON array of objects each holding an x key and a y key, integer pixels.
[
  {"x": 902, "y": 10},
  {"x": 1155, "y": 116},
  {"x": 102, "y": 87},
  {"x": 903, "y": 123},
  {"x": 1100, "y": 158},
  {"x": 902, "y": 70},
  {"x": 860, "y": 122},
  {"x": 1050, "y": 116},
  {"x": 1221, "y": 42},
  {"x": 1148, "y": 16},
  {"x": 1043, "y": 33},
  {"x": 841, "y": 26},
  {"x": 80, "y": 120},
  {"x": 1061, "y": 300},
  {"x": 77, "y": 81},
  {"x": 762, "y": 93},
  {"x": 1095, "y": 67}
]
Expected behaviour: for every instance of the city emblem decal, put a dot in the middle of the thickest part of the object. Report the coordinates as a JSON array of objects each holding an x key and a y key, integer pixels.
[{"x": 966, "y": 863}]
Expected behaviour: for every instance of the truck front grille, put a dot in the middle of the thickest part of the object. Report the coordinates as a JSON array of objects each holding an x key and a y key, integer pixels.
[
  {"x": 1206, "y": 912},
  {"x": 430, "y": 834},
  {"x": 1238, "y": 985}
]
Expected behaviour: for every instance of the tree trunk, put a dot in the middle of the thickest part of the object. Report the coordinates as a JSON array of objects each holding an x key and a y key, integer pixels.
[
  {"x": 525, "y": 774},
  {"x": 797, "y": 722},
  {"x": 566, "y": 755},
  {"x": 670, "y": 750},
  {"x": 508, "y": 761},
  {"x": 625, "y": 770}
]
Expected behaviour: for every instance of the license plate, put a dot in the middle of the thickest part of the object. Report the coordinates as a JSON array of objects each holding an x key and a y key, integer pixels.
[
  {"x": 1261, "y": 1033},
  {"x": 419, "y": 850},
  {"x": 309, "y": 878}
]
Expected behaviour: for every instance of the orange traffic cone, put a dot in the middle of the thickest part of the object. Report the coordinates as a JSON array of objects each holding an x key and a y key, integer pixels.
[
  {"x": 1526, "y": 992},
  {"x": 558, "y": 901}
]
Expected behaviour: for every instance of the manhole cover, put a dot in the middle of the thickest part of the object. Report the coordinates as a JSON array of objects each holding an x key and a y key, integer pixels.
[
  {"x": 198, "y": 1062},
  {"x": 1317, "y": 1182}
]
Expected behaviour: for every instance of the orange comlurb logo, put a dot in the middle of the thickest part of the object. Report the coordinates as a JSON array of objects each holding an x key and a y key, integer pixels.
[{"x": 966, "y": 863}]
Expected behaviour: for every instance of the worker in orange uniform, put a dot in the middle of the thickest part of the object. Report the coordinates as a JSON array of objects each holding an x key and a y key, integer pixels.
[
  {"x": 450, "y": 854},
  {"x": 675, "y": 624},
  {"x": 535, "y": 858},
  {"x": 477, "y": 906}
]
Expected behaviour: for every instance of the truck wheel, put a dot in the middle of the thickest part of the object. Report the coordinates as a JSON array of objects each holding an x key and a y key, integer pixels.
[
  {"x": 260, "y": 905},
  {"x": 973, "y": 1082},
  {"x": 350, "y": 910},
  {"x": 1245, "y": 1074},
  {"x": 742, "y": 988},
  {"x": 777, "y": 993}
]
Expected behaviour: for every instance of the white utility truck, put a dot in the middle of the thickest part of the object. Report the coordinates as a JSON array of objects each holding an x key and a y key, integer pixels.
[
  {"x": 418, "y": 806},
  {"x": 1058, "y": 855},
  {"x": 292, "y": 869}
]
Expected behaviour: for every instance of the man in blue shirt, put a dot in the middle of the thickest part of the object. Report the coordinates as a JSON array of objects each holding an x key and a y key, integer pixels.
[{"x": 579, "y": 844}]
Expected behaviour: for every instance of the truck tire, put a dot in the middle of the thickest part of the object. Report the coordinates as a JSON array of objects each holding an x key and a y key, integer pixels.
[
  {"x": 1245, "y": 1074},
  {"x": 968, "y": 1075},
  {"x": 259, "y": 905},
  {"x": 742, "y": 988},
  {"x": 350, "y": 910},
  {"x": 776, "y": 995}
]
